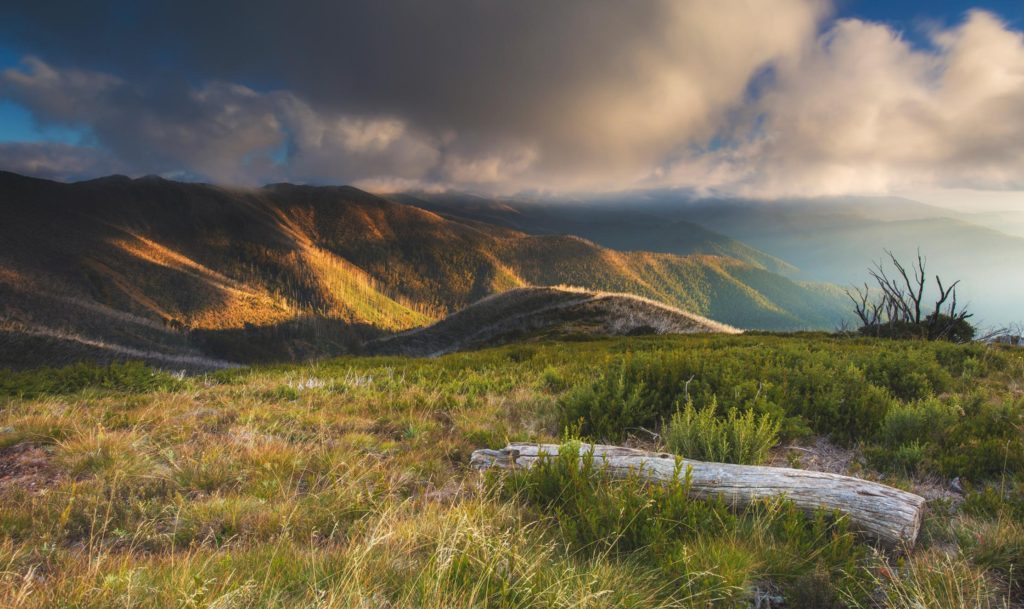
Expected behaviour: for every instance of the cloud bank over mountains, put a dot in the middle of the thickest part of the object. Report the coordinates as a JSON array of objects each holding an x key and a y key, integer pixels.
[{"x": 720, "y": 96}]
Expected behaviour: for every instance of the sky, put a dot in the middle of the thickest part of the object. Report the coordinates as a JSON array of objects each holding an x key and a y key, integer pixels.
[{"x": 719, "y": 97}]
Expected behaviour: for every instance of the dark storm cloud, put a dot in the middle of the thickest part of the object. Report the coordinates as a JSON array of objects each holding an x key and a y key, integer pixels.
[{"x": 529, "y": 86}]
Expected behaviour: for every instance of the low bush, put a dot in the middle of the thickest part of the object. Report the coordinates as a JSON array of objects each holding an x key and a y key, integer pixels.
[
  {"x": 924, "y": 420},
  {"x": 620, "y": 400},
  {"x": 738, "y": 438},
  {"x": 975, "y": 438},
  {"x": 553, "y": 381},
  {"x": 909, "y": 375}
]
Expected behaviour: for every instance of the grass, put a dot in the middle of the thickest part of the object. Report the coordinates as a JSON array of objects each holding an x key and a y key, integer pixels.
[{"x": 345, "y": 483}]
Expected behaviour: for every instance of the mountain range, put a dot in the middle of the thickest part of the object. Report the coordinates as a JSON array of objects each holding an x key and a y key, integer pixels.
[{"x": 196, "y": 275}]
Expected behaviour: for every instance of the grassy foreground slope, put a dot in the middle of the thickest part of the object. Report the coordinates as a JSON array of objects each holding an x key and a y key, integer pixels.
[{"x": 345, "y": 483}]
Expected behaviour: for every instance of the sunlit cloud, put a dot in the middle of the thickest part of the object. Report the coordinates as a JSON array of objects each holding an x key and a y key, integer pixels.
[{"x": 862, "y": 111}]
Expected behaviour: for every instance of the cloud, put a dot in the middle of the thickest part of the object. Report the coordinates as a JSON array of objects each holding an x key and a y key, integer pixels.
[
  {"x": 575, "y": 93},
  {"x": 171, "y": 127},
  {"x": 327, "y": 146},
  {"x": 57, "y": 161},
  {"x": 726, "y": 96},
  {"x": 862, "y": 111},
  {"x": 219, "y": 131}
]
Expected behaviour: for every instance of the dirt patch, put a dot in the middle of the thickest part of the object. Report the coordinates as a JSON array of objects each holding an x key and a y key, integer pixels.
[
  {"x": 27, "y": 467},
  {"x": 820, "y": 455}
]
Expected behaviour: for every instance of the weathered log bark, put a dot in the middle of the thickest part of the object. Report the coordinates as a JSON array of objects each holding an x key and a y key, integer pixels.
[{"x": 889, "y": 515}]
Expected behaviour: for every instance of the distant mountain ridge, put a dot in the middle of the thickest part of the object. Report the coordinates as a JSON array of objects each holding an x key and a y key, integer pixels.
[
  {"x": 619, "y": 228},
  {"x": 290, "y": 271}
]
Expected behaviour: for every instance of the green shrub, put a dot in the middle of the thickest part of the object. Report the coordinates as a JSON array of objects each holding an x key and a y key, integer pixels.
[
  {"x": 738, "y": 438},
  {"x": 884, "y": 393},
  {"x": 976, "y": 438},
  {"x": 552, "y": 380},
  {"x": 909, "y": 375},
  {"x": 596, "y": 513},
  {"x": 909, "y": 458},
  {"x": 924, "y": 420},
  {"x": 838, "y": 401},
  {"x": 620, "y": 400},
  {"x": 1002, "y": 499},
  {"x": 986, "y": 442},
  {"x": 910, "y": 433}
]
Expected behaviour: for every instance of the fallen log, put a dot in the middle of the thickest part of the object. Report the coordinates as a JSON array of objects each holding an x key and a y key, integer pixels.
[{"x": 889, "y": 515}]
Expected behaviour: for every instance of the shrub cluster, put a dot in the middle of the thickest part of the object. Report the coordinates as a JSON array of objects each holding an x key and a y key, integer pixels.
[
  {"x": 975, "y": 438},
  {"x": 810, "y": 386},
  {"x": 738, "y": 438}
]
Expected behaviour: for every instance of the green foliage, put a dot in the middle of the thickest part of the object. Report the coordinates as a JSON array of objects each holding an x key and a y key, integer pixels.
[
  {"x": 976, "y": 438},
  {"x": 909, "y": 375},
  {"x": 1002, "y": 499},
  {"x": 932, "y": 328},
  {"x": 907, "y": 430},
  {"x": 738, "y": 438},
  {"x": 842, "y": 389},
  {"x": 552, "y": 380},
  {"x": 684, "y": 537},
  {"x": 918, "y": 421},
  {"x": 133, "y": 377},
  {"x": 618, "y": 401},
  {"x": 597, "y": 514}
]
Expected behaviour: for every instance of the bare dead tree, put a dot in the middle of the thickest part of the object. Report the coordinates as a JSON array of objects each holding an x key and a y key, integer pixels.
[
  {"x": 867, "y": 310},
  {"x": 898, "y": 310}
]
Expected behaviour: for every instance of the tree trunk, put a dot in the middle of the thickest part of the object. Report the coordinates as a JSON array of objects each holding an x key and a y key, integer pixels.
[{"x": 889, "y": 515}]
